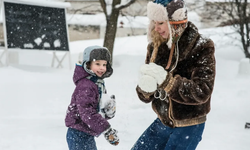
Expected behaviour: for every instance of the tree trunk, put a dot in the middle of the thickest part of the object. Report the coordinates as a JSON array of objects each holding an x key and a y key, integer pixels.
[
  {"x": 244, "y": 26},
  {"x": 110, "y": 33},
  {"x": 111, "y": 22}
]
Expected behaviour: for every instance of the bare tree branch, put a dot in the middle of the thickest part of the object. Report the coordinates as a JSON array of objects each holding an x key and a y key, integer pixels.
[
  {"x": 75, "y": 11},
  {"x": 237, "y": 15},
  {"x": 103, "y": 4},
  {"x": 126, "y": 5}
]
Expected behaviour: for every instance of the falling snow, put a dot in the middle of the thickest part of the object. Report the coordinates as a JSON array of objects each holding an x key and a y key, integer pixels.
[{"x": 41, "y": 95}]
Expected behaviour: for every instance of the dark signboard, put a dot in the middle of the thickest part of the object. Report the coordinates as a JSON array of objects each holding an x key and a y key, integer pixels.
[{"x": 35, "y": 27}]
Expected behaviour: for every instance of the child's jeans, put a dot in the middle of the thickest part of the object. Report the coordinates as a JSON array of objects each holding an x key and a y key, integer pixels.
[
  {"x": 160, "y": 137},
  {"x": 78, "y": 140}
]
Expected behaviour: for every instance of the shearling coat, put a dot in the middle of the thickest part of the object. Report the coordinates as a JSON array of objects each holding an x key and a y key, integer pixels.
[{"x": 189, "y": 86}]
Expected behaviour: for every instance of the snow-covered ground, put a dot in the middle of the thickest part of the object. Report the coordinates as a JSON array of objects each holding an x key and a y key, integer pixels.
[{"x": 34, "y": 97}]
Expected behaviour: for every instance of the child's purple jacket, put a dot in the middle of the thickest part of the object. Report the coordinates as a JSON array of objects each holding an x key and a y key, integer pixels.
[{"x": 82, "y": 113}]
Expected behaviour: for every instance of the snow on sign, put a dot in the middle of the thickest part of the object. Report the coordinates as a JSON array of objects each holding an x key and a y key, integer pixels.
[{"x": 30, "y": 26}]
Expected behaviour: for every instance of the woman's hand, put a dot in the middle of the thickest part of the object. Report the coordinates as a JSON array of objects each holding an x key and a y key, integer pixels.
[{"x": 155, "y": 71}]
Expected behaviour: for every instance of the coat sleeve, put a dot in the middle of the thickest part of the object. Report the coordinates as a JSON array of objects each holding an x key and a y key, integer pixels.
[
  {"x": 197, "y": 88},
  {"x": 87, "y": 104},
  {"x": 143, "y": 96}
]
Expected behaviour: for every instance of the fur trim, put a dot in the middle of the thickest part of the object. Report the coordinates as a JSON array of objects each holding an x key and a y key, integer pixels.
[
  {"x": 151, "y": 27},
  {"x": 180, "y": 14},
  {"x": 156, "y": 12},
  {"x": 169, "y": 43},
  {"x": 147, "y": 83}
]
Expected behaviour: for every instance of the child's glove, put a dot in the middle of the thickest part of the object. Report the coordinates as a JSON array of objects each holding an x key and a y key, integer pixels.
[
  {"x": 108, "y": 106},
  {"x": 111, "y": 136}
]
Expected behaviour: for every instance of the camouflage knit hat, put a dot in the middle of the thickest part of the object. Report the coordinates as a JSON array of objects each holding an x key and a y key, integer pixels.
[
  {"x": 93, "y": 53},
  {"x": 172, "y": 11}
]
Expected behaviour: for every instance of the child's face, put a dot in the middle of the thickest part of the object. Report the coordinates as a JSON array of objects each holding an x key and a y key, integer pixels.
[{"x": 99, "y": 67}]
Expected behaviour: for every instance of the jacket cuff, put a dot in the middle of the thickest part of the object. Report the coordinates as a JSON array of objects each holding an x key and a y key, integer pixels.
[
  {"x": 170, "y": 84},
  {"x": 145, "y": 94}
]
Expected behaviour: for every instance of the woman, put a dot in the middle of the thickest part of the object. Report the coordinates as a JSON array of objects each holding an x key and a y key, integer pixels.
[{"x": 177, "y": 77}]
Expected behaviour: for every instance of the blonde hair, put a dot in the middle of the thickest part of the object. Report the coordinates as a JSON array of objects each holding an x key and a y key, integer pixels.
[{"x": 157, "y": 39}]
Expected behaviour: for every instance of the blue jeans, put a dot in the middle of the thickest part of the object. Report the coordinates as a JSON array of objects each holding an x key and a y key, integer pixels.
[
  {"x": 78, "y": 140},
  {"x": 160, "y": 137}
]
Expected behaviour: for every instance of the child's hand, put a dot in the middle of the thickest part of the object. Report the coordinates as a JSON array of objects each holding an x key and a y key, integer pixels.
[
  {"x": 108, "y": 107},
  {"x": 111, "y": 136}
]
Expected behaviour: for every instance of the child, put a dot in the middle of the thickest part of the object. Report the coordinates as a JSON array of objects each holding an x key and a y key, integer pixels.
[{"x": 84, "y": 117}]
